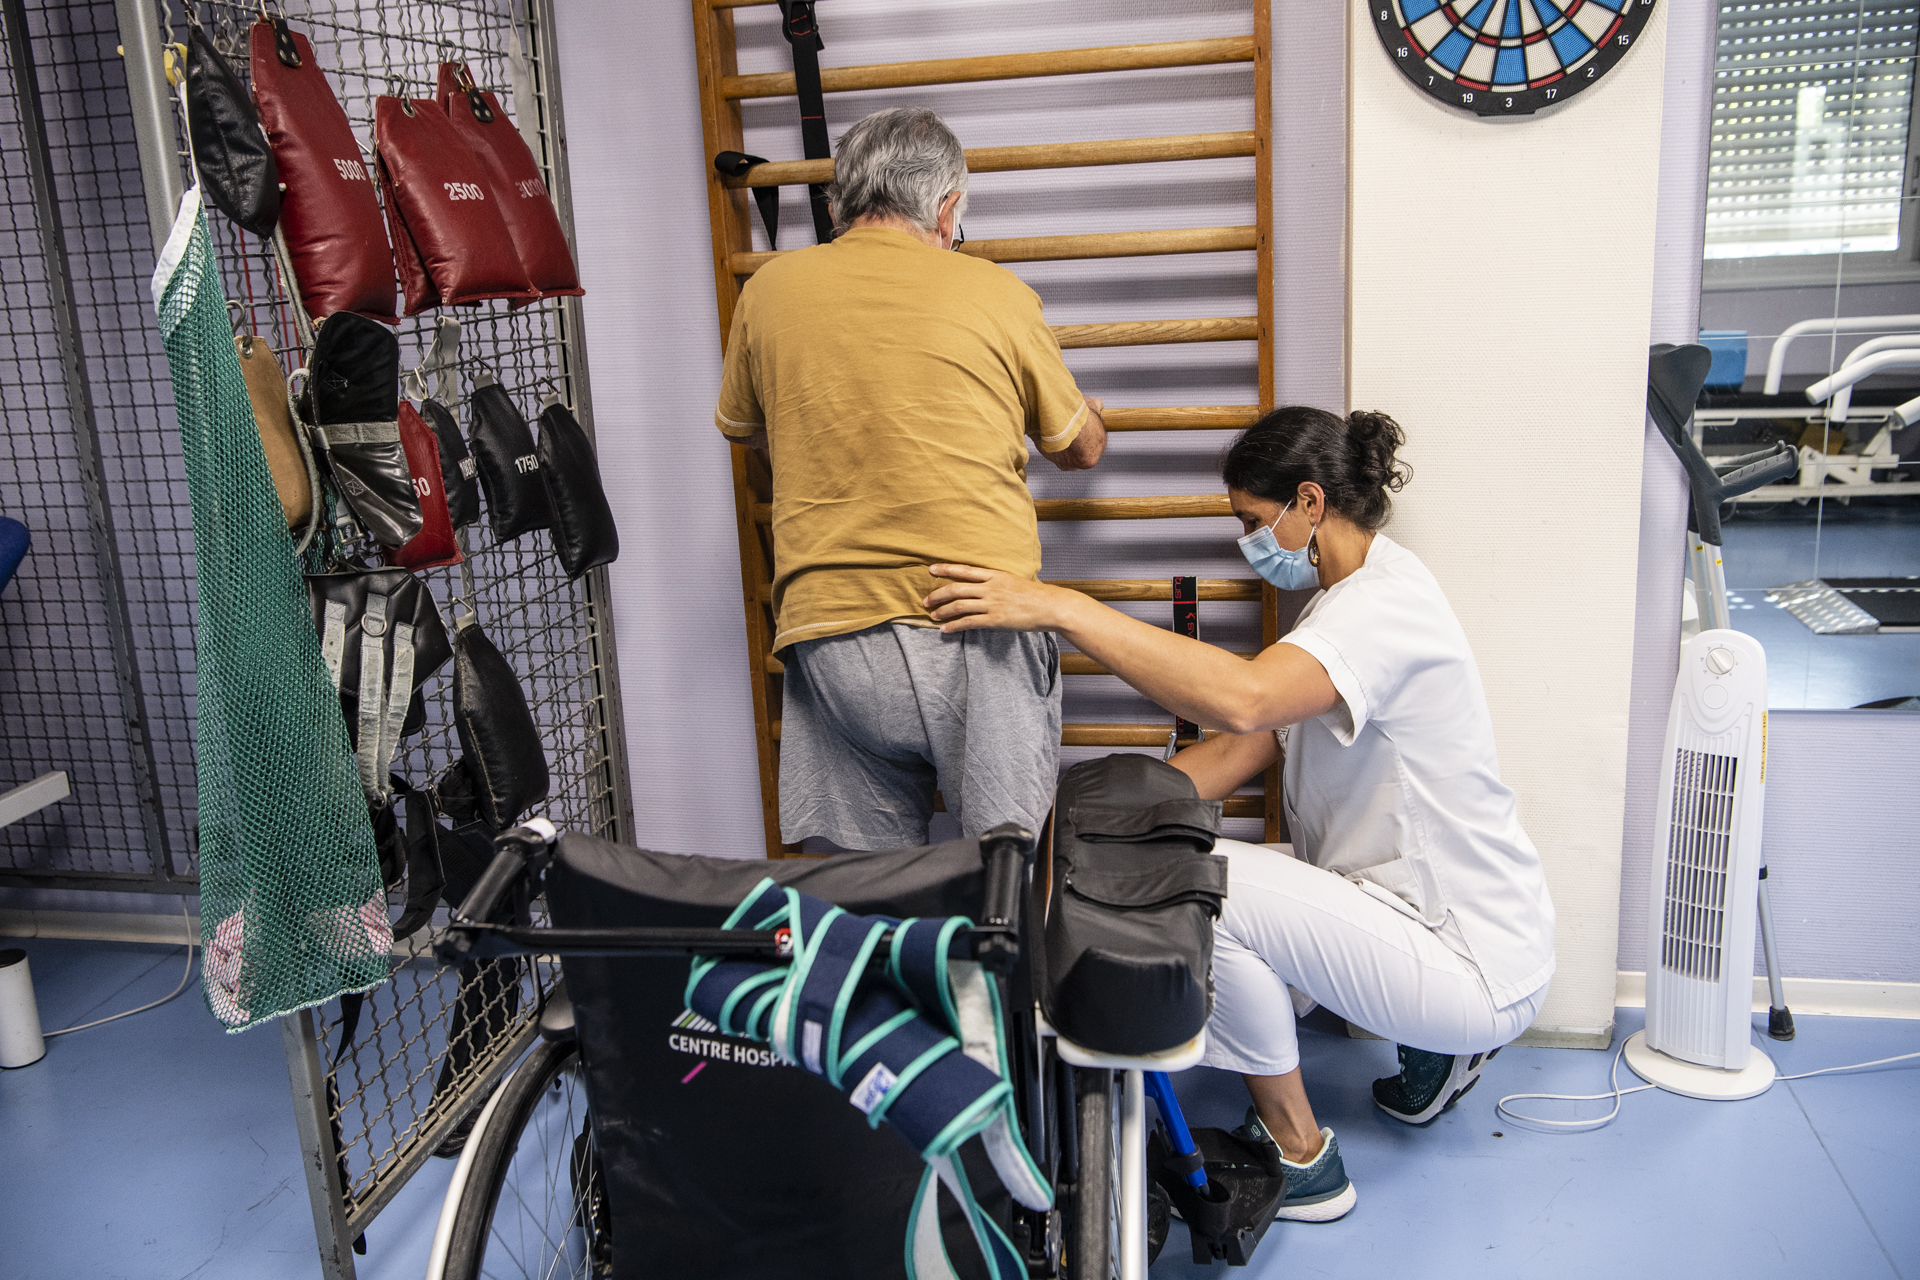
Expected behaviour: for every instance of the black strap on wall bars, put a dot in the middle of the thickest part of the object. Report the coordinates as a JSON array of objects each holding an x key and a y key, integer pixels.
[
  {"x": 1186, "y": 622},
  {"x": 803, "y": 33},
  {"x": 734, "y": 164}
]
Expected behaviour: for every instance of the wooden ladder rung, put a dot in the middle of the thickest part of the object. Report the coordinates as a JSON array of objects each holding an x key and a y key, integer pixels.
[
  {"x": 1098, "y": 508},
  {"x": 1105, "y": 244},
  {"x": 1036, "y": 155},
  {"x": 1099, "y": 735},
  {"x": 1001, "y": 66},
  {"x": 1145, "y": 333},
  {"x": 1254, "y": 806},
  {"x": 1132, "y": 508},
  {"x": 1159, "y": 588},
  {"x": 1118, "y": 735},
  {"x": 1071, "y": 664},
  {"x": 1193, "y": 418}
]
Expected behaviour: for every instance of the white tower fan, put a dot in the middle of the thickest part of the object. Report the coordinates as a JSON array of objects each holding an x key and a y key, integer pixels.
[{"x": 1707, "y": 882}]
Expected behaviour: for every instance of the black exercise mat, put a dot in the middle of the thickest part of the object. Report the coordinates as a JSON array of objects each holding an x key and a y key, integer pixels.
[{"x": 1894, "y": 602}]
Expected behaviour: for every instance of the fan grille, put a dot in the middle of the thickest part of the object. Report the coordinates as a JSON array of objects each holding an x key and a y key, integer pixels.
[{"x": 1699, "y": 840}]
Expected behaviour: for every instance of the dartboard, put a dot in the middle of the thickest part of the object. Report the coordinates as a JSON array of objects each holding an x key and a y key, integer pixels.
[{"x": 1507, "y": 57}]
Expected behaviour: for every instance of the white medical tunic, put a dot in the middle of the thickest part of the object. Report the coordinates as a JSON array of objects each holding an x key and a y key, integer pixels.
[{"x": 1398, "y": 787}]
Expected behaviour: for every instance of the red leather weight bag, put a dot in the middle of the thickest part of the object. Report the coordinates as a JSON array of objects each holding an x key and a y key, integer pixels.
[
  {"x": 449, "y": 239},
  {"x": 329, "y": 212},
  {"x": 515, "y": 178},
  {"x": 434, "y": 546}
]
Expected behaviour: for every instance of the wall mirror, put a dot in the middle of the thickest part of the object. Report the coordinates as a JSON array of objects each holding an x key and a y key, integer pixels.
[{"x": 1811, "y": 304}]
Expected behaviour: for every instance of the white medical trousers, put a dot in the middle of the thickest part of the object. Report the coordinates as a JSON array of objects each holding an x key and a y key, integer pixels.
[{"x": 1289, "y": 924}]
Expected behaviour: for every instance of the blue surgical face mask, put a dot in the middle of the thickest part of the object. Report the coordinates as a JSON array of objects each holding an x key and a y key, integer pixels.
[{"x": 1287, "y": 570}]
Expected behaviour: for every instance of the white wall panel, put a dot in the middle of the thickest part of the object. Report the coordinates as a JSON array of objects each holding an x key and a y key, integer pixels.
[{"x": 1501, "y": 287}]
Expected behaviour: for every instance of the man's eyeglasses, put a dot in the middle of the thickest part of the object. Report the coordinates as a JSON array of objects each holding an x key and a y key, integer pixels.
[{"x": 959, "y": 237}]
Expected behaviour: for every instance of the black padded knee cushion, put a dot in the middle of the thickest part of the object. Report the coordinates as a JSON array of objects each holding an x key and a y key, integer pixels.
[
  {"x": 583, "y": 530},
  {"x": 1126, "y": 960}
]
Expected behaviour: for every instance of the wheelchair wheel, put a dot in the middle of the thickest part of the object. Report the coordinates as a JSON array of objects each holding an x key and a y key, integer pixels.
[
  {"x": 535, "y": 1203},
  {"x": 1090, "y": 1205}
]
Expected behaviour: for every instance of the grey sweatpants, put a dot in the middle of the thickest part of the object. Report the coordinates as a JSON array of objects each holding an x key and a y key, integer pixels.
[{"x": 874, "y": 721}]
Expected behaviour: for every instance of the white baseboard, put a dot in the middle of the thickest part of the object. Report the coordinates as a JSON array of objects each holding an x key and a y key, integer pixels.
[
  {"x": 1535, "y": 1037},
  {"x": 1836, "y": 996},
  {"x": 171, "y": 928}
]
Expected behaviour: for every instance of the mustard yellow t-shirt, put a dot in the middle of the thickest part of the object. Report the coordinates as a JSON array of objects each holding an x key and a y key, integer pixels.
[{"x": 896, "y": 383}]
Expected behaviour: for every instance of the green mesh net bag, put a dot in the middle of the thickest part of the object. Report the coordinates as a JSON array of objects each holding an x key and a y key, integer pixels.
[{"x": 292, "y": 910}]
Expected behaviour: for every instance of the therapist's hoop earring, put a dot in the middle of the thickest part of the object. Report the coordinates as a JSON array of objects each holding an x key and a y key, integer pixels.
[{"x": 1313, "y": 548}]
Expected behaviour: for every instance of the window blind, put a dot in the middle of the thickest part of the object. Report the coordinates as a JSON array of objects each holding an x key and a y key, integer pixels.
[{"x": 1812, "y": 104}]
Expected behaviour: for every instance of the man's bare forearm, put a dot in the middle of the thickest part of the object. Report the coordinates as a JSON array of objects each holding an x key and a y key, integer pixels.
[{"x": 1088, "y": 446}]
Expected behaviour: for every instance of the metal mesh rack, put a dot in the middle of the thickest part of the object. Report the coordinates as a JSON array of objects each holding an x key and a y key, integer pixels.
[
  {"x": 96, "y": 644},
  {"x": 96, "y": 633}
]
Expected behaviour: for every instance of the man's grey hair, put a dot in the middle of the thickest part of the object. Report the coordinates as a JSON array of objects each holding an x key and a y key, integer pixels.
[{"x": 901, "y": 163}]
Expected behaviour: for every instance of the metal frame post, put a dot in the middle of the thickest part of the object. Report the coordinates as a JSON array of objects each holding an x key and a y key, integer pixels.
[
  {"x": 140, "y": 50},
  {"x": 1133, "y": 1175},
  {"x": 86, "y": 436},
  {"x": 317, "y": 1153},
  {"x": 573, "y": 353}
]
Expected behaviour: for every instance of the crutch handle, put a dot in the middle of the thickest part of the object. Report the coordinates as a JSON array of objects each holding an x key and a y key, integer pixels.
[{"x": 1008, "y": 851}]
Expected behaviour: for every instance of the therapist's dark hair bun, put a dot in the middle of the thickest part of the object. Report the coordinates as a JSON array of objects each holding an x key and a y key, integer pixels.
[{"x": 1351, "y": 459}]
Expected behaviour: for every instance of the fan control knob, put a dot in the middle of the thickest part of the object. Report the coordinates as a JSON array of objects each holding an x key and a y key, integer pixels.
[{"x": 1720, "y": 660}]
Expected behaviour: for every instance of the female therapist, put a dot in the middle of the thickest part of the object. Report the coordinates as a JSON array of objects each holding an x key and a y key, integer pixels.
[{"x": 1413, "y": 904}]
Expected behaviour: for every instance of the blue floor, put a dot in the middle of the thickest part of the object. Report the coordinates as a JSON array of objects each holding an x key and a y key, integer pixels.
[
  {"x": 1805, "y": 670},
  {"x": 161, "y": 1147}
]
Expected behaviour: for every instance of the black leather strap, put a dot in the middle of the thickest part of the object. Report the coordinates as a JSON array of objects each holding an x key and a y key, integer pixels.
[
  {"x": 733, "y": 164},
  {"x": 1186, "y": 622},
  {"x": 803, "y": 33},
  {"x": 425, "y": 878}
]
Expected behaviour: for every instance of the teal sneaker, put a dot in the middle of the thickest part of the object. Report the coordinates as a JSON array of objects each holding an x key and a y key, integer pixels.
[
  {"x": 1318, "y": 1191},
  {"x": 1428, "y": 1083}
]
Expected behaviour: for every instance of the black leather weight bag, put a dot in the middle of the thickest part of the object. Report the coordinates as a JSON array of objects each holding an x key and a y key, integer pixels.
[
  {"x": 504, "y": 760},
  {"x": 230, "y": 149},
  {"x": 509, "y": 462},
  {"x": 351, "y": 403},
  {"x": 459, "y": 473},
  {"x": 1126, "y": 961},
  {"x": 404, "y": 599},
  {"x": 583, "y": 530}
]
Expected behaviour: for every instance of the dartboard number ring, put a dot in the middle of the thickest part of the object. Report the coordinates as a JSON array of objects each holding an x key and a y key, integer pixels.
[{"x": 1507, "y": 57}]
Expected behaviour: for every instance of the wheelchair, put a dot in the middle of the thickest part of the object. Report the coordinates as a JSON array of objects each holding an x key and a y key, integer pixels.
[{"x": 539, "y": 1186}]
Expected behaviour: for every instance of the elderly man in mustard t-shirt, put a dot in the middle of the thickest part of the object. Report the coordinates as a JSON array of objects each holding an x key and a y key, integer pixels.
[{"x": 894, "y": 386}]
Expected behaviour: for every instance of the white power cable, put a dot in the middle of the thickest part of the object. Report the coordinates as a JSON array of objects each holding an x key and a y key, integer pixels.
[
  {"x": 1617, "y": 1093},
  {"x": 1898, "y": 1057},
  {"x": 186, "y": 974},
  {"x": 1575, "y": 1126}
]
